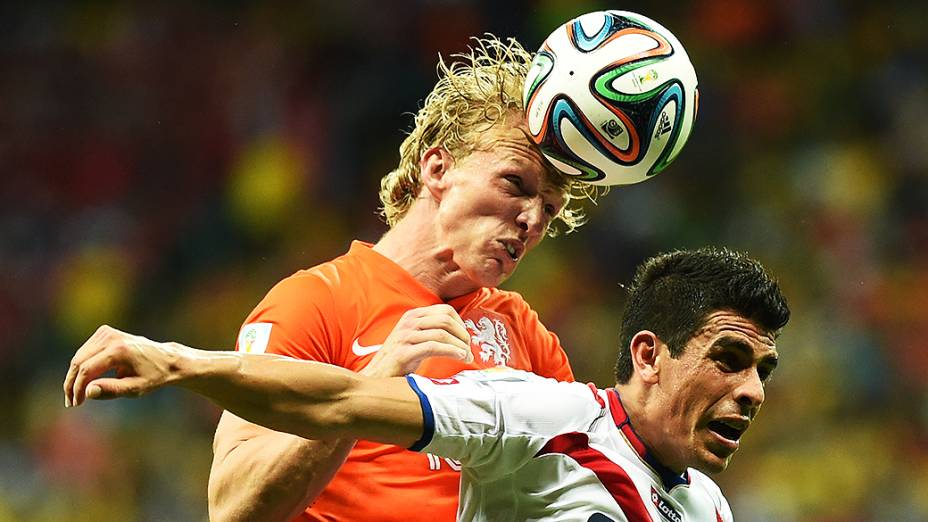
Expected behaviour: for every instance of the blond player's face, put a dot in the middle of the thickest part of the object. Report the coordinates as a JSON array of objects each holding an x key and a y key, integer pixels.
[
  {"x": 712, "y": 392},
  {"x": 498, "y": 205}
]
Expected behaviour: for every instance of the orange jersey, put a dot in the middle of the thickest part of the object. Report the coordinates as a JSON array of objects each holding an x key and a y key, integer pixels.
[{"x": 340, "y": 312}]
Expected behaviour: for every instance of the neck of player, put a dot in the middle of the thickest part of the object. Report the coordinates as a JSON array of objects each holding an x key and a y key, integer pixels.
[
  {"x": 638, "y": 404},
  {"x": 412, "y": 244}
]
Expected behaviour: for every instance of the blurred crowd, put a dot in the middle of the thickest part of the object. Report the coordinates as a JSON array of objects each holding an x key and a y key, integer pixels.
[{"x": 163, "y": 165}]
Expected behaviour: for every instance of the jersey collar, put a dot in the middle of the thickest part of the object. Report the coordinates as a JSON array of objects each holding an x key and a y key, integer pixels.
[
  {"x": 388, "y": 272},
  {"x": 667, "y": 476},
  {"x": 398, "y": 278}
]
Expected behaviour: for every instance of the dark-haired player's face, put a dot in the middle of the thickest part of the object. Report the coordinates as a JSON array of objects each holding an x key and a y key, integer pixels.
[
  {"x": 498, "y": 205},
  {"x": 714, "y": 390}
]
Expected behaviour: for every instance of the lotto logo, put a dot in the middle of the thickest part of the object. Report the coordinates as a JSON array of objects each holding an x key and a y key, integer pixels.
[{"x": 666, "y": 510}]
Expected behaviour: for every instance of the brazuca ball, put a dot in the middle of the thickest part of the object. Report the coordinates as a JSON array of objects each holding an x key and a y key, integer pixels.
[{"x": 611, "y": 98}]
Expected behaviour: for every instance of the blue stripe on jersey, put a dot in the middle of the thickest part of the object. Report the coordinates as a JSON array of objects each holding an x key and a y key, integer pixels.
[{"x": 428, "y": 418}]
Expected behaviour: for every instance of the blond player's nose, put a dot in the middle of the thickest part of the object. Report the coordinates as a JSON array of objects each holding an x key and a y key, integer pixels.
[{"x": 532, "y": 218}]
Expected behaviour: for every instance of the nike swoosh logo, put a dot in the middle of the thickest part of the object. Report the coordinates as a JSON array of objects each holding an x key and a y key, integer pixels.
[{"x": 361, "y": 351}]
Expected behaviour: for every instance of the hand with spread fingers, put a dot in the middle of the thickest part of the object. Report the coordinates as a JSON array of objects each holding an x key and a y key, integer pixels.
[
  {"x": 428, "y": 331},
  {"x": 141, "y": 365}
]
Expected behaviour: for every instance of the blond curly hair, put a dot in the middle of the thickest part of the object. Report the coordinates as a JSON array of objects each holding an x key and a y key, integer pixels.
[{"x": 478, "y": 89}]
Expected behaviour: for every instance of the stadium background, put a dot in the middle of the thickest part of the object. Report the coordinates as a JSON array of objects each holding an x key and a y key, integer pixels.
[{"x": 164, "y": 165}]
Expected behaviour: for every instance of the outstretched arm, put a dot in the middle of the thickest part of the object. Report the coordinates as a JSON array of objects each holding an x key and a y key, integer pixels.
[
  {"x": 309, "y": 399},
  {"x": 262, "y": 475}
]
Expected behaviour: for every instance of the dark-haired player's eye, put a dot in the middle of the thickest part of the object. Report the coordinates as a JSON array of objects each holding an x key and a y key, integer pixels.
[
  {"x": 550, "y": 211},
  {"x": 764, "y": 374},
  {"x": 727, "y": 361}
]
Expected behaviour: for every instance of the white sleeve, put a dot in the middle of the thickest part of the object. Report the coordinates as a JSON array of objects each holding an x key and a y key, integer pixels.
[{"x": 493, "y": 421}]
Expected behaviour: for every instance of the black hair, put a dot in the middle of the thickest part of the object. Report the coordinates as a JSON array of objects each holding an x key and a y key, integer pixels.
[{"x": 672, "y": 294}]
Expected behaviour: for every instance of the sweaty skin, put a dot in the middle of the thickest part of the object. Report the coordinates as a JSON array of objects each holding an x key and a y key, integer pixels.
[
  {"x": 719, "y": 377},
  {"x": 305, "y": 398}
]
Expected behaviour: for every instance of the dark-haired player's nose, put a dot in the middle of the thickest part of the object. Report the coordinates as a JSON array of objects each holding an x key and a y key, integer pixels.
[{"x": 750, "y": 392}]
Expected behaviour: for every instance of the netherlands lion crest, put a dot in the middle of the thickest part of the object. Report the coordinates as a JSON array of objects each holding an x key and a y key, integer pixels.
[{"x": 492, "y": 338}]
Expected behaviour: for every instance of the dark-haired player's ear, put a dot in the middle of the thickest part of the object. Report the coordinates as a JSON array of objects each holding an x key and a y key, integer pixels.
[
  {"x": 435, "y": 163},
  {"x": 645, "y": 350}
]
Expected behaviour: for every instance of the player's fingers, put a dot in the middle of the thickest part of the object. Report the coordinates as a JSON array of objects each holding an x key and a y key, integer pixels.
[
  {"x": 438, "y": 309},
  {"x": 415, "y": 313},
  {"x": 110, "y": 388},
  {"x": 452, "y": 346},
  {"x": 89, "y": 348},
  {"x": 430, "y": 310},
  {"x": 445, "y": 317},
  {"x": 440, "y": 349},
  {"x": 87, "y": 371},
  {"x": 69, "y": 384},
  {"x": 455, "y": 326},
  {"x": 92, "y": 346},
  {"x": 436, "y": 334},
  {"x": 410, "y": 360},
  {"x": 101, "y": 338}
]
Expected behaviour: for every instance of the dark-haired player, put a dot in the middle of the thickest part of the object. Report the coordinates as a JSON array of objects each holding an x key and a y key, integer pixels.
[{"x": 698, "y": 346}]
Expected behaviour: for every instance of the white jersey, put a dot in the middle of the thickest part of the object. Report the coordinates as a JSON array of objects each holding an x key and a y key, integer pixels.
[{"x": 538, "y": 449}]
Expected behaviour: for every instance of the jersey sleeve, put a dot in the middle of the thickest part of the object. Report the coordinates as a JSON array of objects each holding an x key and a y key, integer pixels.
[
  {"x": 548, "y": 356},
  {"x": 495, "y": 420},
  {"x": 298, "y": 318}
]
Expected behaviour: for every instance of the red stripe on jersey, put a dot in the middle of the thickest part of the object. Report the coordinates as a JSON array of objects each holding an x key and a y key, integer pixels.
[
  {"x": 595, "y": 390},
  {"x": 621, "y": 422},
  {"x": 620, "y": 416},
  {"x": 718, "y": 516},
  {"x": 577, "y": 446}
]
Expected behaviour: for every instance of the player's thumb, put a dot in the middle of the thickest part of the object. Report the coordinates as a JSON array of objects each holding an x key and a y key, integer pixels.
[{"x": 103, "y": 389}]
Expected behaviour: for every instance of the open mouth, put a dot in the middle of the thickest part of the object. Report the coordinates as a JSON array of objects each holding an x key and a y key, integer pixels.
[
  {"x": 513, "y": 249},
  {"x": 727, "y": 430}
]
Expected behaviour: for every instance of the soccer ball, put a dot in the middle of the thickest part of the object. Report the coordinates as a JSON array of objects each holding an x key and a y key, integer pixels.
[{"x": 611, "y": 98}]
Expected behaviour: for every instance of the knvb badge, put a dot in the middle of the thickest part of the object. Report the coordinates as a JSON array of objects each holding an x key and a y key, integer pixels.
[{"x": 490, "y": 335}]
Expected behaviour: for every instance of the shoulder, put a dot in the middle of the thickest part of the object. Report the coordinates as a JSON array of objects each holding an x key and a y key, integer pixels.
[
  {"x": 327, "y": 277},
  {"x": 703, "y": 481},
  {"x": 303, "y": 286},
  {"x": 504, "y": 374},
  {"x": 511, "y": 403},
  {"x": 515, "y": 385},
  {"x": 707, "y": 485},
  {"x": 299, "y": 299}
]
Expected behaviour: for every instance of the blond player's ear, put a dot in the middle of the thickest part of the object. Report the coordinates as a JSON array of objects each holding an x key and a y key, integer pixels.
[{"x": 433, "y": 166}]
